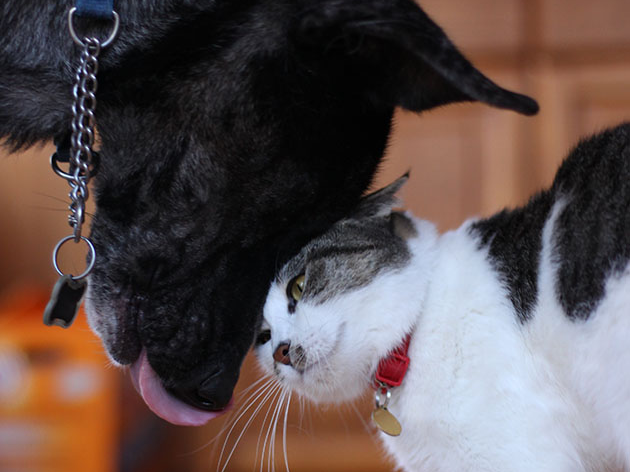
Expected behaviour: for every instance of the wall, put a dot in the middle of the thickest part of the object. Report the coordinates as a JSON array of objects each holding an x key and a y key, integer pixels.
[{"x": 465, "y": 160}]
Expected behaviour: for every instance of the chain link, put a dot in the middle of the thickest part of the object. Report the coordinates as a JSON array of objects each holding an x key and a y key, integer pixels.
[{"x": 82, "y": 140}]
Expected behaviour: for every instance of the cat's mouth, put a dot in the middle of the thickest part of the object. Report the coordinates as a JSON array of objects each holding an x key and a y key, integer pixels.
[
  {"x": 305, "y": 361},
  {"x": 162, "y": 403}
]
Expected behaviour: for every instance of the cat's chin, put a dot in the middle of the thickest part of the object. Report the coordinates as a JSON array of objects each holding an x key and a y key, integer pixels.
[{"x": 318, "y": 384}]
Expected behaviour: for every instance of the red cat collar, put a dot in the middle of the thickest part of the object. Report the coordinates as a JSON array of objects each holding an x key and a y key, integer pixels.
[{"x": 392, "y": 369}]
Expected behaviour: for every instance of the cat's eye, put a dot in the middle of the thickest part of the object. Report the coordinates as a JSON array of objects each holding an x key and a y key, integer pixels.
[
  {"x": 263, "y": 337},
  {"x": 295, "y": 289}
]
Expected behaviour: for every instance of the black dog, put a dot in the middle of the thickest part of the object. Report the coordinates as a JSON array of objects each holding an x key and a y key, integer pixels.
[{"x": 232, "y": 131}]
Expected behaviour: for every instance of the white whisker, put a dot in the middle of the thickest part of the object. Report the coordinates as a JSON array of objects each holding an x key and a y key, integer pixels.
[
  {"x": 268, "y": 392},
  {"x": 365, "y": 424},
  {"x": 236, "y": 415},
  {"x": 264, "y": 447},
  {"x": 249, "y": 388},
  {"x": 284, "y": 433},
  {"x": 269, "y": 435},
  {"x": 272, "y": 443}
]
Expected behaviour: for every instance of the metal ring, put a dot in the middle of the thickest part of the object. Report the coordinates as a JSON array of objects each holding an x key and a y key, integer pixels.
[
  {"x": 58, "y": 170},
  {"x": 54, "y": 163},
  {"x": 90, "y": 264},
  {"x": 378, "y": 400},
  {"x": 104, "y": 44}
]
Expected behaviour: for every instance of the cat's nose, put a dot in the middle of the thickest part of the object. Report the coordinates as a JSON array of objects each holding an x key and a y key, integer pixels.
[{"x": 281, "y": 354}]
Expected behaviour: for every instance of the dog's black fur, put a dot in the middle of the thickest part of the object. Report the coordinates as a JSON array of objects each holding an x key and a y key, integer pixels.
[{"x": 232, "y": 132}]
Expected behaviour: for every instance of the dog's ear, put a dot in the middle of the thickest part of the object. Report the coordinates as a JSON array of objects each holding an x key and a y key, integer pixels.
[{"x": 407, "y": 59}]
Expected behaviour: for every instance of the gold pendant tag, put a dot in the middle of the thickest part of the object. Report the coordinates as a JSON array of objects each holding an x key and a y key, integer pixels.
[{"x": 386, "y": 421}]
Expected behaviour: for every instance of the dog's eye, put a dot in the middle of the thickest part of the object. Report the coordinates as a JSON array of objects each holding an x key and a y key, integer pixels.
[
  {"x": 263, "y": 337},
  {"x": 296, "y": 288}
]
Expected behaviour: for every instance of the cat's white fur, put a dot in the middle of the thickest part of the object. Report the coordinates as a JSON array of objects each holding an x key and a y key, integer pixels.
[{"x": 483, "y": 392}]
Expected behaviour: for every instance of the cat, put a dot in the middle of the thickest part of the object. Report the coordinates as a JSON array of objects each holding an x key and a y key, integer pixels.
[{"x": 518, "y": 325}]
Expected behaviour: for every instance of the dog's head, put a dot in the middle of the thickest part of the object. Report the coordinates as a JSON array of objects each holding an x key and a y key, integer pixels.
[{"x": 232, "y": 132}]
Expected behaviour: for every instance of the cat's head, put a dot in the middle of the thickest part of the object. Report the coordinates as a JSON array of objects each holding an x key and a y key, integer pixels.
[{"x": 346, "y": 300}]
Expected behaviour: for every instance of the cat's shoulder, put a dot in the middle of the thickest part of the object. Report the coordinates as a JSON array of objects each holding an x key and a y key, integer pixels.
[
  {"x": 596, "y": 162},
  {"x": 590, "y": 233}
]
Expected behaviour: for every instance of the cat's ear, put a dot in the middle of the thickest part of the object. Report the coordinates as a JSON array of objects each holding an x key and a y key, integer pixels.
[
  {"x": 400, "y": 55},
  {"x": 381, "y": 202}
]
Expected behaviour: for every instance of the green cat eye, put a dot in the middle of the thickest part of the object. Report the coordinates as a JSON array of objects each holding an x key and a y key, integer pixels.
[{"x": 296, "y": 288}]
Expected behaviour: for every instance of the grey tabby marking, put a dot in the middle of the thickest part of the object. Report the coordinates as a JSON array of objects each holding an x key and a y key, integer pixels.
[{"x": 368, "y": 249}]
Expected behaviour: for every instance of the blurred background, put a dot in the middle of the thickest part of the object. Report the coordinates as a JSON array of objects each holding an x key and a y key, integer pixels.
[{"x": 64, "y": 408}]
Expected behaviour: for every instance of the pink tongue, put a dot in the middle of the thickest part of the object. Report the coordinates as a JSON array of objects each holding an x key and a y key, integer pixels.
[{"x": 161, "y": 402}]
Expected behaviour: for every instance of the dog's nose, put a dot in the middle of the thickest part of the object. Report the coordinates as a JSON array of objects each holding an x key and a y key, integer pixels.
[
  {"x": 213, "y": 394},
  {"x": 281, "y": 354}
]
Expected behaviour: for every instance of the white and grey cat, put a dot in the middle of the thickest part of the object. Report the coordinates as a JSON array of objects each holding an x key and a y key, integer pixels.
[{"x": 519, "y": 324}]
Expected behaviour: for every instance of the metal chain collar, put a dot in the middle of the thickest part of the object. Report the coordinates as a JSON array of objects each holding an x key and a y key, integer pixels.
[
  {"x": 81, "y": 165},
  {"x": 67, "y": 294}
]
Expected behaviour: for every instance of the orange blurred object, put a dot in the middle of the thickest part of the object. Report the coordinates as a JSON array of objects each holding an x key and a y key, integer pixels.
[{"x": 58, "y": 401}]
